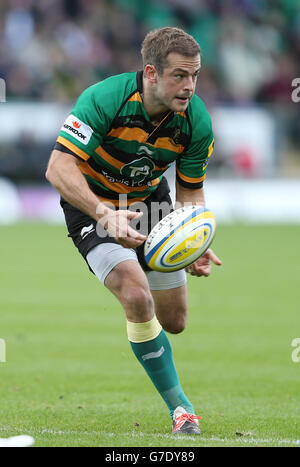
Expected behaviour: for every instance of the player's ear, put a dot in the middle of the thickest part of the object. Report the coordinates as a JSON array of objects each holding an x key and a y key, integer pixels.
[{"x": 151, "y": 73}]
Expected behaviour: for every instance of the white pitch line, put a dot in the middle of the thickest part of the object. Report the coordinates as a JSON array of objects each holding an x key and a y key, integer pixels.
[{"x": 242, "y": 440}]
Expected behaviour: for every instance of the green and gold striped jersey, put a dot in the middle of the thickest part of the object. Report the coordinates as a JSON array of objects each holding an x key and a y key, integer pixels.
[{"x": 123, "y": 152}]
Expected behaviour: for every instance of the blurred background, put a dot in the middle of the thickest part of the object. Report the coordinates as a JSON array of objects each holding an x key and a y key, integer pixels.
[{"x": 51, "y": 50}]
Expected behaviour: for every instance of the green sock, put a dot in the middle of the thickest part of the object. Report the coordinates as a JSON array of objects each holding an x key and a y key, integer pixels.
[{"x": 157, "y": 359}]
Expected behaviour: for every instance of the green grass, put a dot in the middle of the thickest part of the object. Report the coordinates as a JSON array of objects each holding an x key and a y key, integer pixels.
[{"x": 71, "y": 379}]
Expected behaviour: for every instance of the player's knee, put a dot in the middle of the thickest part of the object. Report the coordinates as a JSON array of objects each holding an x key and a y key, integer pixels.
[{"x": 137, "y": 300}]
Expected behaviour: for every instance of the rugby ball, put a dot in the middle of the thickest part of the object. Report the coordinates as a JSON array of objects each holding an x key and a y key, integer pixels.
[{"x": 180, "y": 238}]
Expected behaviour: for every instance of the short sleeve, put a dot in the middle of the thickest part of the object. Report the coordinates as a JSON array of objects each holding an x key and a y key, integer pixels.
[
  {"x": 84, "y": 129},
  {"x": 192, "y": 164}
]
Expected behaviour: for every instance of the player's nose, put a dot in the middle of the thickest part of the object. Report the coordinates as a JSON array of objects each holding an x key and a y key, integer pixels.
[{"x": 189, "y": 84}]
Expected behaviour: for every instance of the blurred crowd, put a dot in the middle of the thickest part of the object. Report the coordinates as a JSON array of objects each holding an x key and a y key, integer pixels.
[{"x": 50, "y": 50}]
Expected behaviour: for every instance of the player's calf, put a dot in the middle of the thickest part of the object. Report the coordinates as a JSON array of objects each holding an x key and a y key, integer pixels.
[
  {"x": 173, "y": 323},
  {"x": 171, "y": 308}
]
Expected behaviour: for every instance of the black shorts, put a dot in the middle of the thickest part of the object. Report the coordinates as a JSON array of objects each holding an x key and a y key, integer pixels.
[{"x": 83, "y": 228}]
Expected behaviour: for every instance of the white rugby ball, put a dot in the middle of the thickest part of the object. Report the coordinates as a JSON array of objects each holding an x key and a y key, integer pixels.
[{"x": 180, "y": 238}]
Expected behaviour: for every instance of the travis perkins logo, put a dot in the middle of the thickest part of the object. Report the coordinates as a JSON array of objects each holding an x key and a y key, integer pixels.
[{"x": 78, "y": 129}]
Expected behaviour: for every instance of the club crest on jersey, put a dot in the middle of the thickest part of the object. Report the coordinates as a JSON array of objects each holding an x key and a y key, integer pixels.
[{"x": 138, "y": 169}]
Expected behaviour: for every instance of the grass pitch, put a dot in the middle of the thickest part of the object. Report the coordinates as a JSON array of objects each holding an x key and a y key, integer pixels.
[{"x": 71, "y": 379}]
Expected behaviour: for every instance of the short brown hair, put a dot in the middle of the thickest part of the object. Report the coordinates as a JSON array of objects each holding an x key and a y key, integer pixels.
[{"x": 159, "y": 43}]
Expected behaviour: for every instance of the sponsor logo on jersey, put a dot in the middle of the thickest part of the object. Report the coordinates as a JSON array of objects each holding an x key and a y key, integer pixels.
[
  {"x": 130, "y": 183},
  {"x": 78, "y": 129}
]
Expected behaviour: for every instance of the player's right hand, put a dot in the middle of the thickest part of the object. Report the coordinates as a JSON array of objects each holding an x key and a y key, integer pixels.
[{"x": 117, "y": 225}]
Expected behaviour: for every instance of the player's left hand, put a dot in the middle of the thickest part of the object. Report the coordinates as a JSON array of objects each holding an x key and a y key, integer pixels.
[{"x": 202, "y": 266}]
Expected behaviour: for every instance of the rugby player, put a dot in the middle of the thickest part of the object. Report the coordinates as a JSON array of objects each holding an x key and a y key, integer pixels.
[{"x": 111, "y": 153}]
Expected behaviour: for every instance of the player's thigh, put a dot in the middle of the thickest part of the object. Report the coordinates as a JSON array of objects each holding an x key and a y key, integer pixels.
[{"x": 129, "y": 284}]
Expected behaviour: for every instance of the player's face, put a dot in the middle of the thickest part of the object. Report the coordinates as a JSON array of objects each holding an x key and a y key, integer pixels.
[{"x": 176, "y": 86}]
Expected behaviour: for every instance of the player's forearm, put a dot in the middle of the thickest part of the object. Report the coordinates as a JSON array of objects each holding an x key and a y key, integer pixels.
[
  {"x": 66, "y": 178},
  {"x": 186, "y": 195}
]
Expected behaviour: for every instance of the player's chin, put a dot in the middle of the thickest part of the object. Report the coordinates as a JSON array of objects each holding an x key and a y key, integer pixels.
[{"x": 180, "y": 105}]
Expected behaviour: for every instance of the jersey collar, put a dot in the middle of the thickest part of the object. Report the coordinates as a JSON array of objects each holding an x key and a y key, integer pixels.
[{"x": 139, "y": 81}]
